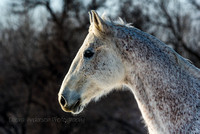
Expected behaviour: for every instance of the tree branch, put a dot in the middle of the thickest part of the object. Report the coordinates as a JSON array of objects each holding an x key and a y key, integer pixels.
[{"x": 195, "y": 4}]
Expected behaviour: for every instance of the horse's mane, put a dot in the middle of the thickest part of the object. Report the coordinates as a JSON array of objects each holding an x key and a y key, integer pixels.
[
  {"x": 117, "y": 22},
  {"x": 187, "y": 65}
]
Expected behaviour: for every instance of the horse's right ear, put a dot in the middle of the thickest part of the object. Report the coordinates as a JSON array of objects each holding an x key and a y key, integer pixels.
[{"x": 97, "y": 21}]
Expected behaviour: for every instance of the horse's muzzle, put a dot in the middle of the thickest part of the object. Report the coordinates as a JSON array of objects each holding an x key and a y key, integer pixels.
[{"x": 73, "y": 107}]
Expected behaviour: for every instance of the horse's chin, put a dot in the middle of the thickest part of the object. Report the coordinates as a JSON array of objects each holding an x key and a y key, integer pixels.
[{"x": 76, "y": 110}]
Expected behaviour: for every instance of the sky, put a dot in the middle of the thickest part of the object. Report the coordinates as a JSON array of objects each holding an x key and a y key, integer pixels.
[
  {"x": 3, "y": 7},
  {"x": 56, "y": 4},
  {"x": 40, "y": 16},
  {"x": 39, "y": 13}
]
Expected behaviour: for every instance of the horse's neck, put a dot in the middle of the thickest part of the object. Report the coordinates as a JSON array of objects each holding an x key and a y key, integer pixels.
[
  {"x": 143, "y": 99},
  {"x": 166, "y": 86},
  {"x": 166, "y": 98},
  {"x": 167, "y": 94}
]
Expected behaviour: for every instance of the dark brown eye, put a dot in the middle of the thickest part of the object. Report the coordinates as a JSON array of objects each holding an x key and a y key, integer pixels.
[{"x": 88, "y": 54}]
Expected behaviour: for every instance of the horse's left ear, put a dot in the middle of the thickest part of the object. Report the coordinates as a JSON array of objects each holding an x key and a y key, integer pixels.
[{"x": 98, "y": 22}]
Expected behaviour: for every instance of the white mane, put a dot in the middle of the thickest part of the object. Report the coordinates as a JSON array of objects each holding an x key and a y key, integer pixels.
[{"x": 118, "y": 22}]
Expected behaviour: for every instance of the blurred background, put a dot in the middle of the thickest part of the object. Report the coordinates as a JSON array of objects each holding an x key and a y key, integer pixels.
[{"x": 38, "y": 41}]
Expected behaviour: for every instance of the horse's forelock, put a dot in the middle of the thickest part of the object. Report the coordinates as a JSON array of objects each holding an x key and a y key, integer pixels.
[{"x": 107, "y": 22}]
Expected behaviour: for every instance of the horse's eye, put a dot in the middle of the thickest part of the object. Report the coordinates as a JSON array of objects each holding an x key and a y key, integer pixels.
[{"x": 88, "y": 54}]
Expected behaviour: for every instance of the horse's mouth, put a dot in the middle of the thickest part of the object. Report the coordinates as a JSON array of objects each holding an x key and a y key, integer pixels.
[{"x": 75, "y": 109}]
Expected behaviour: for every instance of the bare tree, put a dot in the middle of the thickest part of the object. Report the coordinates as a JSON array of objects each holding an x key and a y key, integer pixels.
[
  {"x": 195, "y": 4},
  {"x": 34, "y": 63},
  {"x": 133, "y": 13},
  {"x": 177, "y": 24}
]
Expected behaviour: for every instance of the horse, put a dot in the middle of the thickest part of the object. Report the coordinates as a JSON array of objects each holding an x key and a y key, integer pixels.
[{"x": 166, "y": 86}]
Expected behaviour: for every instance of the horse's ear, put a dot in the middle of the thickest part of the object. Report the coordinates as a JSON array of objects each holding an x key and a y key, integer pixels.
[{"x": 97, "y": 21}]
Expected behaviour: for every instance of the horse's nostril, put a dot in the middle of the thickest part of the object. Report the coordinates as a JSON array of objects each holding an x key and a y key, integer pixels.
[
  {"x": 77, "y": 103},
  {"x": 63, "y": 101}
]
